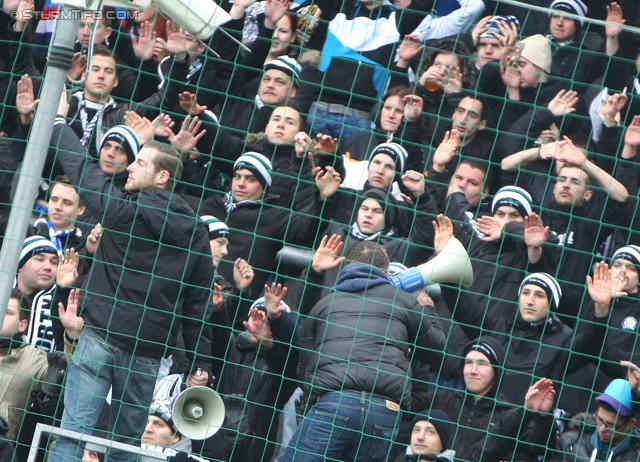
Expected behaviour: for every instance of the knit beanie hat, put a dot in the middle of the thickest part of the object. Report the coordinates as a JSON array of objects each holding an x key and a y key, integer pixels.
[
  {"x": 515, "y": 197},
  {"x": 386, "y": 200},
  {"x": 393, "y": 150},
  {"x": 492, "y": 349},
  {"x": 441, "y": 421},
  {"x": 258, "y": 164},
  {"x": 489, "y": 347},
  {"x": 34, "y": 245},
  {"x": 286, "y": 64},
  {"x": 548, "y": 283},
  {"x": 216, "y": 227},
  {"x": 630, "y": 253},
  {"x": 127, "y": 138},
  {"x": 537, "y": 50},
  {"x": 572, "y": 6},
  {"x": 162, "y": 408},
  {"x": 493, "y": 25}
]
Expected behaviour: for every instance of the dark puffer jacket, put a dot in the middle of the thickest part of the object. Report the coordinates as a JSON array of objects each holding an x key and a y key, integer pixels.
[{"x": 360, "y": 336}]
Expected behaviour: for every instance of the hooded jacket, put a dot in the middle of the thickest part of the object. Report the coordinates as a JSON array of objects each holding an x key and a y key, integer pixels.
[
  {"x": 153, "y": 261},
  {"x": 547, "y": 348},
  {"x": 576, "y": 446},
  {"x": 358, "y": 338}
]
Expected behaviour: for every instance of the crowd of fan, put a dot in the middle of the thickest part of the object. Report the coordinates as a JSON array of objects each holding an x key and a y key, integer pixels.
[{"x": 232, "y": 221}]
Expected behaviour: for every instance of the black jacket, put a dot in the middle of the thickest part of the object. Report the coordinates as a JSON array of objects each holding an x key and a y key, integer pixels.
[
  {"x": 358, "y": 338},
  {"x": 576, "y": 447},
  {"x": 153, "y": 262},
  {"x": 258, "y": 231},
  {"x": 265, "y": 378},
  {"x": 544, "y": 349}
]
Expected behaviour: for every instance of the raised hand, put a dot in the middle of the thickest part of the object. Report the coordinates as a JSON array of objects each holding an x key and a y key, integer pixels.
[
  {"x": 632, "y": 135},
  {"x": 257, "y": 325},
  {"x": 176, "y": 39},
  {"x": 144, "y": 44},
  {"x": 413, "y": 106},
  {"x": 633, "y": 376},
  {"x": 141, "y": 125},
  {"x": 614, "y": 20},
  {"x": 273, "y": 300},
  {"x": 327, "y": 181},
  {"x": 535, "y": 233},
  {"x": 93, "y": 238},
  {"x": 187, "y": 138},
  {"x": 563, "y": 103},
  {"x": 162, "y": 125},
  {"x": 78, "y": 66},
  {"x": 189, "y": 104},
  {"x": 68, "y": 269},
  {"x": 25, "y": 100},
  {"x": 444, "y": 232},
  {"x": 274, "y": 10},
  {"x": 611, "y": 107},
  {"x": 24, "y": 13},
  {"x": 217, "y": 298},
  {"x": 540, "y": 396},
  {"x": 326, "y": 143},
  {"x": 491, "y": 227},
  {"x": 72, "y": 323},
  {"x": 408, "y": 49},
  {"x": 602, "y": 289},
  {"x": 446, "y": 150},
  {"x": 480, "y": 29},
  {"x": 327, "y": 255},
  {"x": 242, "y": 273}
]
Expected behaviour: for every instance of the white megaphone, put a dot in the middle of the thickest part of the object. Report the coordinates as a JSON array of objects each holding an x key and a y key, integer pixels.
[
  {"x": 451, "y": 265},
  {"x": 198, "y": 413}
]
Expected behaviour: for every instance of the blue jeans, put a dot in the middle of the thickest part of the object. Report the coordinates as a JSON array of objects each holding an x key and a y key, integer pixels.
[
  {"x": 97, "y": 366},
  {"x": 345, "y": 426},
  {"x": 340, "y": 126}
]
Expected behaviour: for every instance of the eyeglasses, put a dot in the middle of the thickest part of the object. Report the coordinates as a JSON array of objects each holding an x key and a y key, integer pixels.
[{"x": 608, "y": 426}]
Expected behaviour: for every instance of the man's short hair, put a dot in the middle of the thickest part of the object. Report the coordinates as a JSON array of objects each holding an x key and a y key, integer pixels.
[
  {"x": 24, "y": 308},
  {"x": 369, "y": 253},
  {"x": 486, "y": 110},
  {"x": 588, "y": 182},
  {"x": 103, "y": 50},
  {"x": 480, "y": 165},
  {"x": 65, "y": 181},
  {"x": 609, "y": 408},
  {"x": 166, "y": 157}
]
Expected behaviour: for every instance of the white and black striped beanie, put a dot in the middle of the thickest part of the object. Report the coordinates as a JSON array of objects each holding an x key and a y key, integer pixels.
[
  {"x": 630, "y": 253},
  {"x": 548, "y": 283},
  {"x": 571, "y": 6},
  {"x": 393, "y": 150},
  {"x": 216, "y": 227},
  {"x": 34, "y": 245},
  {"x": 259, "y": 165},
  {"x": 127, "y": 138},
  {"x": 515, "y": 197}
]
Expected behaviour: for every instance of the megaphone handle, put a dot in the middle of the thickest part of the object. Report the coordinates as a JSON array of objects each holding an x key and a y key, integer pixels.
[{"x": 198, "y": 373}]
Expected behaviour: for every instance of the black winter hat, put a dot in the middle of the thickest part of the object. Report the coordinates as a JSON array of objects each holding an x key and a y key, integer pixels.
[{"x": 441, "y": 421}]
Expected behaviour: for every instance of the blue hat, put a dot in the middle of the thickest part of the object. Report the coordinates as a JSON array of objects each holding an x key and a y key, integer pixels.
[{"x": 618, "y": 396}]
